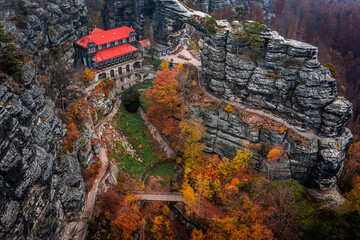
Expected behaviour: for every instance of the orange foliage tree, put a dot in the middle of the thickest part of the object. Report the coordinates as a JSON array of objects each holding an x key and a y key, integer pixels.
[
  {"x": 123, "y": 227},
  {"x": 228, "y": 108},
  {"x": 197, "y": 235},
  {"x": 165, "y": 102},
  {"x": 273, "y": 154},
  {"x": 246, "y": 221}
]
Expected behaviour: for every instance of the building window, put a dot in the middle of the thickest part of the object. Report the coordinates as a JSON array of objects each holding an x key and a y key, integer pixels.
[
  {"x": 108, "y": 45},
  {"x": 112, "y": 44},
  {"x": 120, "y": 41},
  {"x": 124, "y": 40},
  {"x": 103, "y": 46}
]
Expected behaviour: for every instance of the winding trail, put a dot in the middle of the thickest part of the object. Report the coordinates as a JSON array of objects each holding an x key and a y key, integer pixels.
[{"x": 91, "y": 196}]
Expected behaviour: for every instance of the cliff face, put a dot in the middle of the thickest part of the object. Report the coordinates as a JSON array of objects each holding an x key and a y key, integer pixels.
[
  {"x": 40, "y": 190},
  {"x": 49, "y": 25},
  {"x": 210, "y": 6},
  {"x": 314, "y": 162},
  {"x": 169, "y": 16},
  {"x": 289, "y": 83}
]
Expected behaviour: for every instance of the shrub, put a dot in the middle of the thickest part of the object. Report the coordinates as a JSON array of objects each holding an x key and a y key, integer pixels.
[
  {"x": 251, "y": 34},
  {"x": 209, "y": 23},
  {"x": 332, "y": 69},
  {"x": 131, "y": 100},
  {"x": 111, "y": 201},
  {"x": 273, "y": 154},
  {"x": 228, "y": 108},
  {"x": 91, "y": 225}
]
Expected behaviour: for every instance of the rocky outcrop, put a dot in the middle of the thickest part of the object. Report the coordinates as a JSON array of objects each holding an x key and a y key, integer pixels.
[
  {"x": 289, "y": 81},
  {"x": 290, "y": 84},
  {"x": 314, "y": 162},
  {"x": 169, "y": 16},
  {"x": 209, "y": 6},
  {"x": 40, "y": 190},
  {"x": 49, "y": 25}
]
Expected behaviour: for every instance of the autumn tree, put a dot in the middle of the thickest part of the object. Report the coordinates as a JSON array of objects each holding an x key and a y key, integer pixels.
[
  {"x": 111, "y": 201},
  {"x": 273, "y": 154},
  {"x": 228, "y": 108},
  {"x": 161, "y": 229},
  {"x": 165, "y": 102},
  {"x": 192, "y": 132},
  {"x": 246, "y": 221},
  {"x": 180, "y": 67},
  {"x": 332, "y": 69},
  {"x": 197, "y": 235},
  {"x": 164, "y": 65},
  {"x": 123, "y": 227},
  {"x": 188, "y": 193},
  {"x": 87, "y": 75}
]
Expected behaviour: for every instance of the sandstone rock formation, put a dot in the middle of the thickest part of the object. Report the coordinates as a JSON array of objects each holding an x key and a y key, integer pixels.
[
  {"x": 40, "y": 190},
  {"x": 289, "y": 83},
  {"x": 49, "y": 25}
]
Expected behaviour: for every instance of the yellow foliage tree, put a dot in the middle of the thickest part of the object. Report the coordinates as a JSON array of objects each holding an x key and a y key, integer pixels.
[
  {"x": 192, "y": 131},
  {"x": 164, "y": 65},
  {"x": 161, "y": 229},
  {"x": 188, "y": 193},
  {"x": 246, "y": 221},
  {"x": 166, "y": 210},
  {"x": 228, "y": 108},
  {"x": 180, "y": 67},
  {"x": 242, "y": 158},
  {"x": 87, "y": 75},
  {"x": 197, "y": 235}
]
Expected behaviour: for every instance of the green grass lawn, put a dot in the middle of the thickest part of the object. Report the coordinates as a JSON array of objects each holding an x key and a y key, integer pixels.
[
  {"x": 166, "y": 171},
  {"x": 145, "y": 84},
  {"x": 144, "y": 102},
  {"x": 132, "y": 125}
]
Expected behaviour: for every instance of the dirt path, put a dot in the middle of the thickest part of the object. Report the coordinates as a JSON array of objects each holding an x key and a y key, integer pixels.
[
  {"x": 91, "y": 196},
  {"x": 306, "y": 134},
  {"x": 161, "y": 139},
  {"x": 186, "y": 53}
]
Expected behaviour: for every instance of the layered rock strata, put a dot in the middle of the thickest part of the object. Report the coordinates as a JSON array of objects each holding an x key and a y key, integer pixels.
[
  {"x": 290, "y": 84},
  {"x": 314, "y": 162},
  {"x": 49, "y": 24},
  {"x": 289, "y": 81},
  {"x": 40, "y": 190}
]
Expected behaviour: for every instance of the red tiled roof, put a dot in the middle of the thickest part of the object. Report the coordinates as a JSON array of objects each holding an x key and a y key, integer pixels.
[
  {"x": 145, "y": 43},
  {"x": 104, "y": 37},
  {"x": 114, "y": 52},
  {"x": 96, "y": 30}
]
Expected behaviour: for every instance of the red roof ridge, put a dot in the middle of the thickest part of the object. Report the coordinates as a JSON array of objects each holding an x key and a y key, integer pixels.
[
  {"x": 104, "y": 37},
  {"x": 114, "y": 52}
]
